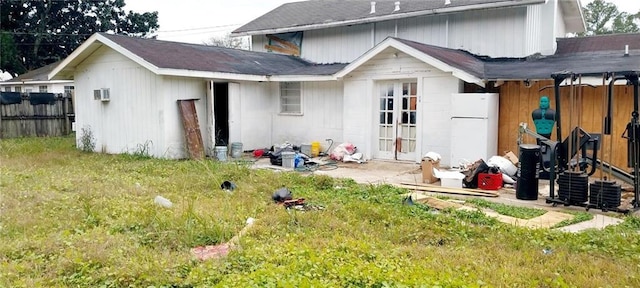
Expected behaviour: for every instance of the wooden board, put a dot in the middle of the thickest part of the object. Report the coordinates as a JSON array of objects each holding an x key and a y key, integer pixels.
[
  {"x": 446, "y": 190},
  {"x": 191, "y": 129},
  {"x": 491, "y": 192}
]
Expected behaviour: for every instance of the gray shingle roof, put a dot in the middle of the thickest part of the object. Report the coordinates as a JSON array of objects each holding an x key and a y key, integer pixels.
[
  {"x": 39, "y": 74},
  {"x": 590, "y": 56},
  {"x": 186, "y": 56},
  {"x": 323, "y": 12}
]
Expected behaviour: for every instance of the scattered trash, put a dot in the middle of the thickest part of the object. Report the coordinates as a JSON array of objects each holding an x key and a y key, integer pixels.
[
  {"x": 433, "y": 156},
  {"x": 408, "y": 201},
  {"x": 341, "y": 150},
  {"x": 282, "y": 195},
  {"x": 221, "y": 250},
  {"x": 228, "y": 186},
  {"x": 164, "y": 202},
  {"x": 547, "y": 251},
  {"x": 356, "y": 157},
  {"x": 300, "y": 204}
]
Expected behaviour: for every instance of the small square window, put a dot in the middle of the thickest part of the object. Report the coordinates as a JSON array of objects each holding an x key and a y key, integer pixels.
[
  {"x": 290, "y": 98},
  {"x": 42, "y": 89}
]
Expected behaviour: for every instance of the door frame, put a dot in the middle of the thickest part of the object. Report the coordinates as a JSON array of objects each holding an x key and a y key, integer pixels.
[{"x": 378, "y": 84}]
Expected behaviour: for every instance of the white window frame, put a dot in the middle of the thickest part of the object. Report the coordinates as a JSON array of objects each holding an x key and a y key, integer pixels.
[
  {"x": 288, "y": 90},
  {"x": 42, "y": 89},
  {"x": 17, "y": 89}
]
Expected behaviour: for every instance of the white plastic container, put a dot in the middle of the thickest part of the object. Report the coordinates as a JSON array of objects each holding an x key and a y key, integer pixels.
[
  {"x": 161, "y": 201},
  {"x": 288, "y": 159}
]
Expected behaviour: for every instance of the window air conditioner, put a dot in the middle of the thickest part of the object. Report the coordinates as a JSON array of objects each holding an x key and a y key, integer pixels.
[{"x": 101, "y": 94}]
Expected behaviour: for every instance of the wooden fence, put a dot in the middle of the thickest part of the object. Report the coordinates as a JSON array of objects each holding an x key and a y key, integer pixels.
[
  {"x": 29, "y": 117},
  {"x": 518, "y": 100}
]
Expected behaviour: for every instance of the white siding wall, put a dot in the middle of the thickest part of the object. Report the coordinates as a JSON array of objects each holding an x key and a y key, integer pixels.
[
  {"x": 250, "y": 113},
  {"x": 132, "y": 117},
  {"x": 436, "y": 115},
  {"x": 434, "y": 87},
  {"x": 505, "y": 32},
  {"x": 172, "y": 90},
  {"x": 322, "y": 115},
  {"x": 495, "y": 33},
  {"x": 143, "y": 109}
]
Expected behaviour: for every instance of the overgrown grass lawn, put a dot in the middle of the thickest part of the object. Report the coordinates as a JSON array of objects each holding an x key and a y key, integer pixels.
[{"x": 74, "y": 219}]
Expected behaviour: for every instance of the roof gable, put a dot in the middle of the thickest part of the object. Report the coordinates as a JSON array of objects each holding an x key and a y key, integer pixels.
[
  {"x": 182, "y": 59},
  {"x": 316, "y": 14},
  {"x": 461, "y": 64}
]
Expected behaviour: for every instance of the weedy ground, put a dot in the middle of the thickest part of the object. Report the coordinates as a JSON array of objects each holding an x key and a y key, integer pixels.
[{"x": 76, "y": 219}]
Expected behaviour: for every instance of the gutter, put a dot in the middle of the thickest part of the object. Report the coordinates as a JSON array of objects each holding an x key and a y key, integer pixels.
[{"x": 390, "y": 17}]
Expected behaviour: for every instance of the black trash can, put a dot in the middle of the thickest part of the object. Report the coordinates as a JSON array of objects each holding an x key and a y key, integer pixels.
[{"x": 528, "y": 169}]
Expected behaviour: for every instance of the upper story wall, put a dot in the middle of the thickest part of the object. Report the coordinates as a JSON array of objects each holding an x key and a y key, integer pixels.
[{"x": 504, "y": 32}]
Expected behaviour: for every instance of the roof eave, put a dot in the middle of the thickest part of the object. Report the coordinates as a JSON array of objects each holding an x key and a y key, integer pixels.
[
  {"x": 66, "y": 68},
  {"x": 388, "y": 17},
  {"x": 391, "y": 42}
]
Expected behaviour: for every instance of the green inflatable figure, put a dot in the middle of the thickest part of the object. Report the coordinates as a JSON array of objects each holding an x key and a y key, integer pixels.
[{"x": 544, "y": 118}]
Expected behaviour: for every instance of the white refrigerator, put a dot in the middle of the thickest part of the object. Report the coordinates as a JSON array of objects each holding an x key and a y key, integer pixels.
[{"x": 474, "y": 127}]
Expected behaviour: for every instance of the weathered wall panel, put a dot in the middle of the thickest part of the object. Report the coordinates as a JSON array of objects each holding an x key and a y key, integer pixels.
[
  {"x": 518, "y": 101},
  {"x": 119, "y": 125},
  {"x": 322, "y": 116}
]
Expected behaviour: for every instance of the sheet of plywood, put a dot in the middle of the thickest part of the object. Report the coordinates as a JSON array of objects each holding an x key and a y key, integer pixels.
[
  {"x": 195, "y": 148},
  {"x": 490, "y": 192},
  {"x": 446, "y": 190}
]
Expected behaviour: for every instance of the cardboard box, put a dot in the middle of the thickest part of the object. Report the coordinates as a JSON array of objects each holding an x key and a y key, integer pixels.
[
  {"x": 511, "y": 157},
  {"x": 427, "y": 170}
]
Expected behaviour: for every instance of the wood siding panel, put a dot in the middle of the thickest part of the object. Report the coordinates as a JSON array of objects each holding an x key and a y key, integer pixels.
[{"x": 517, "y": 102}]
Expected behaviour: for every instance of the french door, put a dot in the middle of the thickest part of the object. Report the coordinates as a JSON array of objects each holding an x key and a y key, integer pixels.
[{"x": 397, "y": 119}]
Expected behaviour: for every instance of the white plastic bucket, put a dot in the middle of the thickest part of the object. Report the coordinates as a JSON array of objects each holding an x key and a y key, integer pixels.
[
  {"x": 221, "y": 153},
  {"x": 288, "y": 159},
  {"x": 236, "y": 150}
]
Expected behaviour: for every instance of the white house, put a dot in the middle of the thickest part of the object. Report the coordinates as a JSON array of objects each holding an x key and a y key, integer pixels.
[
  {"x": 372, "y": 53},
  {"x": 37, "y": 81}
]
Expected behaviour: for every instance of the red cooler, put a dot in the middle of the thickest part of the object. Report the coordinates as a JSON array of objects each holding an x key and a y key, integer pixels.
[{"x": 490, "y": 181}]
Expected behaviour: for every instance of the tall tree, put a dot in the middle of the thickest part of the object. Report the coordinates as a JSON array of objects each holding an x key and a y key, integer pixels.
[
  {"x": 604, "y": 18},
  {"x": 45, "y": 31}
]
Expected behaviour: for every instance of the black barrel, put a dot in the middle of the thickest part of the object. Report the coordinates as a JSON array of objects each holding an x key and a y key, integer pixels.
[{"x": 528, "y": 168}]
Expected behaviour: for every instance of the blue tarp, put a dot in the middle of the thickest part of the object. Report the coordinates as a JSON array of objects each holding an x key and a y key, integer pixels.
[
  {"x": 8, "y": 98},
  {"x": 42, "y": 98}
]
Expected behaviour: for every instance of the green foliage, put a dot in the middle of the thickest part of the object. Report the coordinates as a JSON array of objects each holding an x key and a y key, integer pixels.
[
  {"x": 87, "y": 142},
  {"x": 48, "y": 31},
  {"x": 517, "y": 212},
  {"x": 73, "y": 219},
  {"x": 603, "y": 17}
]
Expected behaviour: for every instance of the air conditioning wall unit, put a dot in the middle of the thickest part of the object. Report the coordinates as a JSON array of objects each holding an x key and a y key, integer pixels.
[{"x": 102, "y": 94}]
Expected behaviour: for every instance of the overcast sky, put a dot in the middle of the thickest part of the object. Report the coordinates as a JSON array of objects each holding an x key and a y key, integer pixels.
[{"x": 196, "y": 21}]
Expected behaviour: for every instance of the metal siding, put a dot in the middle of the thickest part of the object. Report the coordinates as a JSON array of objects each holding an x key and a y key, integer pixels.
[
  {"x": 496, "y": 33},
  {"x": 174, "y": 89},
  {"x": 322, "y": 115},
  {"x": 130, "y": 119},
  {"x": 533, "y": 29},
  {"x": 357, "y": 118},
  {"x": 436, "y": 115},
  {"x": 258, "y": 42},
  {"x": 425, "y": 29},
  {"x": 256, "y": 105},
  {"x": 330, "y": 45}
]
